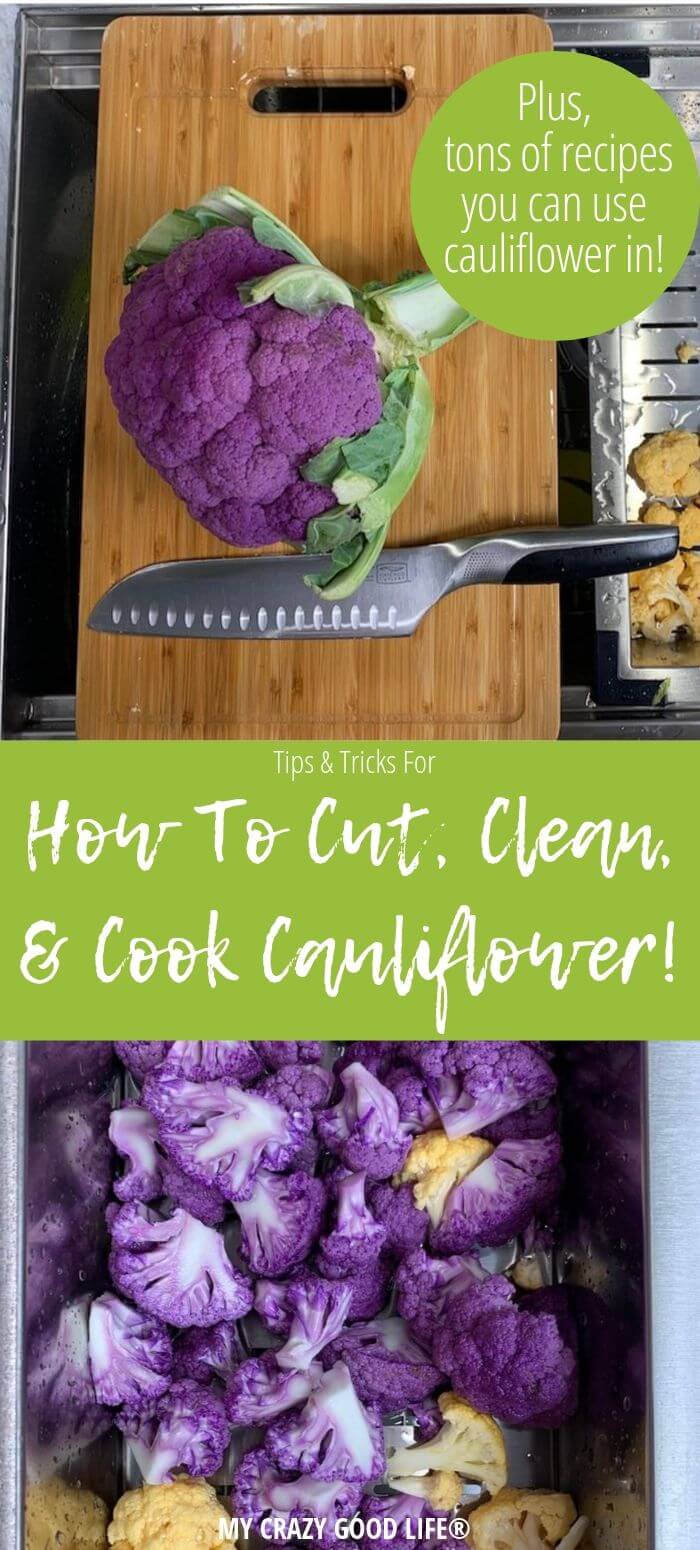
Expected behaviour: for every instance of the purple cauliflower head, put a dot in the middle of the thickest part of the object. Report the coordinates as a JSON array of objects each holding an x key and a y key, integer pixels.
[
  {"x": 259, "y": 1390},
  {"x": 376, "y": 1055},
  {"x": 387, "y": 1366},
  {"x": 354, "y": 1238},
  {"x": 500, "y": 1196},
  {"x": 513, "y": 1360},
  {"x": 188, "y": 1431},
  {"x": 213, "y": 1060},
  {"x": 226, "y": 402},
  {"x": 176, "y": 1268},
  {"x": 133, "y": 1133},
  {"x": 204, "y": 1201},
  {"x": 475, "y": 1084},
  {"x": 142, "y": 1056},
  {"x": 426, "y": 1286},
  {"x": 221, "y": 1134},
  {"x": 364, "y": 1130},
  {"x": 333, "y": 1436},
  {"x": 268, "y": 1495},
  {"x": 318, "y": 1310},
  {"x": 278, "y": 1053},
  {"x": 280, "y": 1221},
  {"x": 131, "y": 1354},
  {"x": 204, "y": 1354},
  {"x": 404, "y": 1222}
]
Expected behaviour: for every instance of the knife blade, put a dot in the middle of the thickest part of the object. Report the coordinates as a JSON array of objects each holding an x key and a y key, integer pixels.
[{"x": 265, "y": 597}]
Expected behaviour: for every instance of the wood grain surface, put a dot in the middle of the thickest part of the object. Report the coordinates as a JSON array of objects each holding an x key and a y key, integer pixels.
[{"x": 175, "y": 121}]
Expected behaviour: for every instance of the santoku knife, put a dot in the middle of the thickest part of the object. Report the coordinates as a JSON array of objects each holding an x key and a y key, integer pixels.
[{"x": 267, "y": 598}]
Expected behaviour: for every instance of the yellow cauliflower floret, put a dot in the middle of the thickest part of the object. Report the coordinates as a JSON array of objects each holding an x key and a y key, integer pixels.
[
  {"x": 435, "y": 1163},
  {"x": 468, "y": 1445},
  {"x": 527, "y": 1520},
  {"x": 668, "y": 464},
  {"x": 186, "y": 1515},
  {"x": 527, "y": 1273},
  {"x": 666, "y": 599},
  {"x": 64, "y": 1517}
]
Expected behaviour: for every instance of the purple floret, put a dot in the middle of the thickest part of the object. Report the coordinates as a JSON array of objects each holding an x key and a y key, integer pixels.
[
  {"x": 425, "y": 1288},
  {"x": 227, "y": 401},
  {"x": 513, "y": 1360},
  {"x": 364, "y": 1129},
  {"x": 204, "y": 1201},
  {"x": 266, "y": 1494},
  {"x": 376, "y": 1055},
  {"x": 133, "y": 1133},
  {"x": 527, "y": 1124},
  {"x": 355, "y": 1239},
  {"x": 259, "y": 1390},
  {"x": 213, "y": 1060},
  {"x": 204, "y": 1354},
  {"x": 500, "y": 1197},
  {"x": 221, "y": 1134},
  {"x": 280, "y": 1221},
  {"x": 416, "y": 1107},
  {"x": 142, "y": 1056},
  {"x": 333, "y": 1436},
  {"x": 278, "y": 1053},
  {"x": 131, "y": 1354},
  {"x": 408, "y": 1521},
  {"x": 474, "y": 1084},
  {"x": 296, "y": 1086},
  {"x": 387, "y": 1366},
  {"x": 188, "y": 1431},
  {"x": 176, "y": 1268},
  {"x": 405, "y": 1224},
  {"x": 318, "y": 1310},
  {"x": 369, "y": 1291}
]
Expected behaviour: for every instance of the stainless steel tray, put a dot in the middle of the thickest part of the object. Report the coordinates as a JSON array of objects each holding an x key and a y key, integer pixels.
[
  {"x": 639, "y": 387},
  {"x": 629, "y": 1230}
]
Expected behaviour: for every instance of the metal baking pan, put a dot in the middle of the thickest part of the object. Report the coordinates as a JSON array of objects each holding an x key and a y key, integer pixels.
[{"x": 629, "y": 1230}]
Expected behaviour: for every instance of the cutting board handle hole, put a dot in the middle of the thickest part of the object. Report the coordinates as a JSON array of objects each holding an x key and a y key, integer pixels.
[{"x": 338, "y": 97}]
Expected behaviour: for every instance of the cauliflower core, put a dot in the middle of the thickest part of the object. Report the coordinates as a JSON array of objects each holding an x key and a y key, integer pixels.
[
  {"x": 186, "y": 1515},
  {"x": 665, "y": 601},
  {"x": 226, "y": 401},
  {"x": 668, "y": 464},
  {"x": 526, "y": 1520}
]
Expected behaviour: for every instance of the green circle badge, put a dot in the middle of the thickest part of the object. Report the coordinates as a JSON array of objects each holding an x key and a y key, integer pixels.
[{"x": 555, "y": 195}]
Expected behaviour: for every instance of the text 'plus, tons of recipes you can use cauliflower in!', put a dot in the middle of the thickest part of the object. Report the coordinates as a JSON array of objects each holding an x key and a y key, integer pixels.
[{"x": 303, "y": 1325}]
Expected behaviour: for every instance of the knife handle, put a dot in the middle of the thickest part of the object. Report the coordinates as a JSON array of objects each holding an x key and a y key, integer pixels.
[{"x": 526, "y": 556}]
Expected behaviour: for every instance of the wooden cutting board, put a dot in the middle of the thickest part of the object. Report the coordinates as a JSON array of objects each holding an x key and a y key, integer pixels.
[{"x": 175, "y": 121}]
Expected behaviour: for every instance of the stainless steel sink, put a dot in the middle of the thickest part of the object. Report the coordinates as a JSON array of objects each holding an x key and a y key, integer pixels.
[{"x": 629, "y": 1233}]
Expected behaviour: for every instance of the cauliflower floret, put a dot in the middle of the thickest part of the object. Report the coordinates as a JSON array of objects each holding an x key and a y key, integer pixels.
[
  {"x": 527, "y": 1273},
  {"x": 435, "y": 1164},
  {"x": 666, "y": 599},
  {"x": 468, "y": 1445},
  {"x": 63, "y": 1517},
  {"x": 668, "y": 464},
  {"x": 527, "y": 1520},
  {"x": 186, "y": 1515}
]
